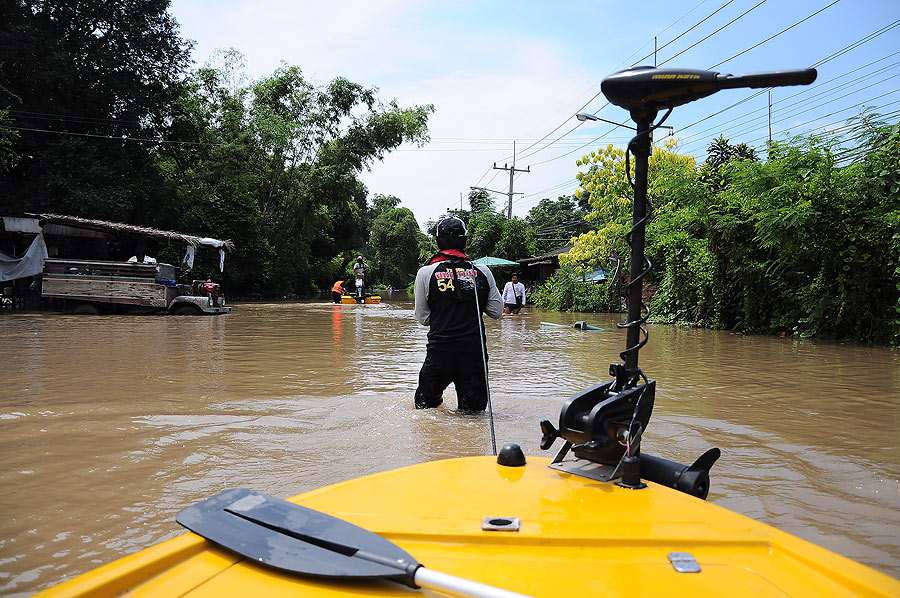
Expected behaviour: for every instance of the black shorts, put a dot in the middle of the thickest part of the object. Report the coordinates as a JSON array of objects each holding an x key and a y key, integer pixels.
[
  {"x": 464, "y": 369},
  {"x": 512, "y": 306}
]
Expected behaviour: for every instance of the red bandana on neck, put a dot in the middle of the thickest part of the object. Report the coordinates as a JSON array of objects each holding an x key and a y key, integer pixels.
[{"x": 444, "y": 255}]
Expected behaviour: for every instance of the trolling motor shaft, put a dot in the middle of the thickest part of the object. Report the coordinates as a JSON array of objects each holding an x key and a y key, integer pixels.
[{"x": 603, "y": 425}]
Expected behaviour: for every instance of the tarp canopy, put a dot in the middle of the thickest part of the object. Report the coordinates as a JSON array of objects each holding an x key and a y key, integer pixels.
[
  {"x": 489, "y": 260},
  {"x": 30, "y": 264},
  {"x": 102, "y": 225}
]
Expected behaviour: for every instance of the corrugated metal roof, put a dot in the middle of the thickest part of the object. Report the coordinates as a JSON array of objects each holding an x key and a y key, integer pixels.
[
  {"x": 103, "y": 225},
  {"x": 556, "y": 252}
]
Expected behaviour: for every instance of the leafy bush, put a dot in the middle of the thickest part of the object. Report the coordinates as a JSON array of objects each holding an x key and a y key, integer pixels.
[
  {"x": 804, "y": 242},
  {"x": 568, "y": 291}
]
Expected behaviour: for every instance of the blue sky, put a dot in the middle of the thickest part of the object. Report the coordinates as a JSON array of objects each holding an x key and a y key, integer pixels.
[{"x": 501, "y": 72}]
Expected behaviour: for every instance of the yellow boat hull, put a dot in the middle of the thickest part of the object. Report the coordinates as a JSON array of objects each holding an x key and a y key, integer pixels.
[
  {"x": 351, "y": 300},
  {"x": 577, "y": 538}
]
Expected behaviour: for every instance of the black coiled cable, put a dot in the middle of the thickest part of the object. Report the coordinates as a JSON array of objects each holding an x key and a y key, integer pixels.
[{"x": 638, "y": 280}]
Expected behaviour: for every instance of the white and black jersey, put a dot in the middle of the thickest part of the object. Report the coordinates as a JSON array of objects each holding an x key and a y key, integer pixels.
[{"x": 445, "y": 301}]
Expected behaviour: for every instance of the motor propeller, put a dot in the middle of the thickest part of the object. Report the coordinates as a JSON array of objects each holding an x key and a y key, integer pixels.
[{"x": 645, "y": 89}]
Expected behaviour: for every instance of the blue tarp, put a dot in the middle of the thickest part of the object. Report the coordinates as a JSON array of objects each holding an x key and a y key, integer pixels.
[{"x": 598, "y": 275}]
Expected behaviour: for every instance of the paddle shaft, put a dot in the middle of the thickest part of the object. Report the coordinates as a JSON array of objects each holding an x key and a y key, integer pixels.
[
  {"x": 456, "y": 586},
  {"x": 440, "y": 582},
  {"x": 481, "y": 341}
]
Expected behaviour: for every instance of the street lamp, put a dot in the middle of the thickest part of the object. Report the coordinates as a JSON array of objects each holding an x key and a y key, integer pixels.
[
  {"x": 494, "y": 191},
  {"x": 585, "y": 117}
]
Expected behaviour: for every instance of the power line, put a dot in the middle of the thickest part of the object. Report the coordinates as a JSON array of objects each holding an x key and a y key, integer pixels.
[
  {"x": 789, "y": 114},
  {"x": 120, "y": 137},
  {"x": 845, "y": 109},
  {"x": 858, "y": 43},
  {"x": 526, "y": 155},
  {"x": 547, "y": 190},
  {"x": 850, "y": 47},
  {"x": 728, "y": 24},
  {"x": 596, "y": 95},
  {"x": 683, "y": 33},
  {"x": 774, "y": 36},
  {"x": 814, "y": 89},
  {"x": 682, "y": 52}
]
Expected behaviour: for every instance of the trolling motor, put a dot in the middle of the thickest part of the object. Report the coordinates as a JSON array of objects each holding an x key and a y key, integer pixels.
[{"x": 602, "y": 425}]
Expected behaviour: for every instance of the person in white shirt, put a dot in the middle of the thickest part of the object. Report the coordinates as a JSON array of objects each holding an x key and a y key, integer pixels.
[
  {"x": 359, "y": 268},
  {"x": 513, "y": 296}
]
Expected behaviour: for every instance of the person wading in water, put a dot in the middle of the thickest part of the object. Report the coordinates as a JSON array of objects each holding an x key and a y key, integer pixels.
[{"x": 445, "y": 302}]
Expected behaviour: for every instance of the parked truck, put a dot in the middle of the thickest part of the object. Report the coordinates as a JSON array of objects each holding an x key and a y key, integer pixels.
[
  {"x": 47, "y": 251},
  {"x": 93, "y": 287}
]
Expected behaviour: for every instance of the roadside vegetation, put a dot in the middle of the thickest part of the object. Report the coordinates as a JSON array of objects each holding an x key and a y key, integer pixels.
[{"x": 802, "y": 241}]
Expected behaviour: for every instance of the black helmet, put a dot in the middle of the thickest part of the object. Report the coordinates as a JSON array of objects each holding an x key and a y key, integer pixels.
[
  {"x": 450, "y": 233},
  {"x": 359, "y": 258}
]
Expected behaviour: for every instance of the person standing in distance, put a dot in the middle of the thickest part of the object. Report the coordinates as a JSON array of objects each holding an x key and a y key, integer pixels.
[
  {"x": 445, "y": 302},
  {"x": 513, "y": 295},
  {"x": 359, "y": 268}
]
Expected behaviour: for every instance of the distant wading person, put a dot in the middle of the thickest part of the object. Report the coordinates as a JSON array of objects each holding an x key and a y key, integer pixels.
[
  {"x": 513, "y": 295},
  {"x": 337, "y": 291},
  {"x": 359, "y": 269},
  {"x": 445, "y": 302}
]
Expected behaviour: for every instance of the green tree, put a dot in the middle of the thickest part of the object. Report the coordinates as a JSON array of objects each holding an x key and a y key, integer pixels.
[
  {"x": 396, "y": 238},
  {"x": 280, "y": 158},
  {"x": 480, "y": 201},
  {"x": 552, "y": 223},
  {"x": 485, "y": 229},
  {"x": 567, "y": 290},
  {"x": 611, "y": 200},
  {"x": 381, "y": 204},
  {"x": 8, "y": 157},
  {"x": 808, "y": 247},
  {"x": 213, "y": 181},
  {"x": 87, "y": 81},
  {"x": 513, "y": 241},
  {"x": 719, "y": 153}
]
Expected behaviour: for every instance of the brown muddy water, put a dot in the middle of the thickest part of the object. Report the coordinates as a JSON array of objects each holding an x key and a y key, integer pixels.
[{"x": 109, "y": 425}]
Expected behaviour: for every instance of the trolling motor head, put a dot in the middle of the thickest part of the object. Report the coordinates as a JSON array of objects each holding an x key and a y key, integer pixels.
[{"x": 645, "y": 90}]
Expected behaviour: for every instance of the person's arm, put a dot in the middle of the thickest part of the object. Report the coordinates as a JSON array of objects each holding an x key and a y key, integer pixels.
[
  {"x": 422, "y": 311},
  {"x": 494, "y": 306},
  {"x": 523, "y": 293},
  {"x": 505, "y": 294}
]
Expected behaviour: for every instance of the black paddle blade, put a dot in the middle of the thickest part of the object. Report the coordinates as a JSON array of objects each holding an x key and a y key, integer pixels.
[{"x": 292, "y": 538}]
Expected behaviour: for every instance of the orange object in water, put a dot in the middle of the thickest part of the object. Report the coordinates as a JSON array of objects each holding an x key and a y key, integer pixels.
[{"x": 338, "y": 287}]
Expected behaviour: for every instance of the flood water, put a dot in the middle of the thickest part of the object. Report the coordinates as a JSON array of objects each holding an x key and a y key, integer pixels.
[{"x": 109, "y": 425}]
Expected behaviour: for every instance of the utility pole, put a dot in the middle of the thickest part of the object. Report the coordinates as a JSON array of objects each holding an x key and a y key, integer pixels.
[
  {"x": 770, "y": 116},
  {"x": 512, "y": 172}
]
